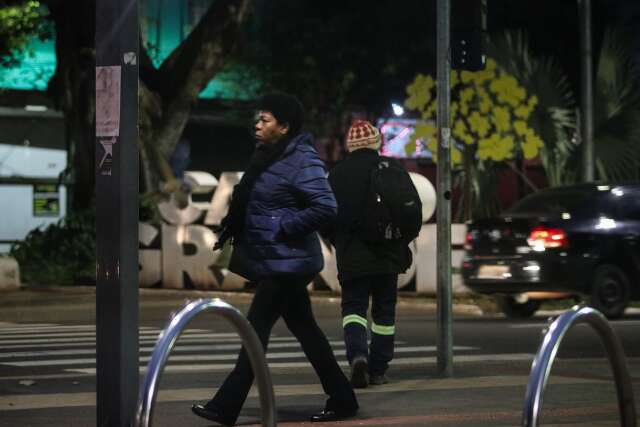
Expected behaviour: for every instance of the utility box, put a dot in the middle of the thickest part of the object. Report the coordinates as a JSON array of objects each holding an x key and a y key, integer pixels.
[{"x": 9, "y": 273}]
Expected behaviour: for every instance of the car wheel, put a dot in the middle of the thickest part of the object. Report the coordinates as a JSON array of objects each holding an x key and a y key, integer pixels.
[
  {"x": 512, "y": 308},
  {"x": 610, "y": 291}
]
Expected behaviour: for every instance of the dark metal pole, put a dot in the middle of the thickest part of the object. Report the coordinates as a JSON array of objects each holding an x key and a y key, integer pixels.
[
  {"x": 116, "y": 211},
  {"x": 443, "y": 205},
  {"x": 586, "y": 84}
]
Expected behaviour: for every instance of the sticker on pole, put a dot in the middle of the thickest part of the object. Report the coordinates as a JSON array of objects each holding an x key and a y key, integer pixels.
[
  {"x": 108, "y": 101},
  {"x": 106, "y": 161}
]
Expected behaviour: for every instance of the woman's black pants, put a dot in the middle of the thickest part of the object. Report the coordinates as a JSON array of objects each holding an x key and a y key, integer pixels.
[{"x": 286, "y": 296}]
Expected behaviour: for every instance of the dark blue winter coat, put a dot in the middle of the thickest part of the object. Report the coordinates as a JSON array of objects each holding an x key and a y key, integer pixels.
[{"x": 289, "y": 202}]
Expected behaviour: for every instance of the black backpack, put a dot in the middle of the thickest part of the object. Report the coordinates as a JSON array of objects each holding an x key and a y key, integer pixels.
[{"x": 392, "y": 210}]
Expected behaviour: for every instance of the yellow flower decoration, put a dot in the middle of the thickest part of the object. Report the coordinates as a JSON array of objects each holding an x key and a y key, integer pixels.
[
  {"x": 532, "y": 145},
  {"x": 479, "y": 124},
  {"x": 419, "y": 92},
  {"x": 466, "y": 77},
  {"x": 501, "y": 119},
  {"x": 424, "y": 131},
  {"x": 520, "y": 127},
  {"x": 522, "y": 112},
  {"x": 464, "y": 109},
  {"x": 459, "y": 129},
  {"x": 432, "y": 145},
  {"x": 490, "y": 113},
  {"x": 466, "y": 95},
  {"x": 456, "y": 155},
  {"x": 411, "y": 147},
  {"x": 454, "y": 78}
]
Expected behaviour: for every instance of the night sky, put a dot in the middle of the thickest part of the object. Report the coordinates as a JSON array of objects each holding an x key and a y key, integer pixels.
[{"x": 553, "y": 28}]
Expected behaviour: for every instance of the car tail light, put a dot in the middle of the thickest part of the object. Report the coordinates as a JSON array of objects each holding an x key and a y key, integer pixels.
[
  {"x": 542, "y": 238},
  {"x": 467, "y": 241}
]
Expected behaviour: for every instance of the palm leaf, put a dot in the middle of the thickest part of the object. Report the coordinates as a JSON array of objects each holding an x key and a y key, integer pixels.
[
  {"x": 554, "y": 118},
  {"x": 616, "y": 111}
]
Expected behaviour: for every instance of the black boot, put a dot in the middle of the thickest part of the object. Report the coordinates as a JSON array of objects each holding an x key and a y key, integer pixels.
[{"x": 359, "y": 372}]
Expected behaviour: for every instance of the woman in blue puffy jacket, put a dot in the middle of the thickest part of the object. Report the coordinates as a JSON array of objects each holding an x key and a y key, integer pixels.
[{"x": 281, "y": 201}]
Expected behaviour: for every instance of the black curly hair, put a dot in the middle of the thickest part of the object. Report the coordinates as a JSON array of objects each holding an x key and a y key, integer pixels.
[{"x": 287, "y": 110}]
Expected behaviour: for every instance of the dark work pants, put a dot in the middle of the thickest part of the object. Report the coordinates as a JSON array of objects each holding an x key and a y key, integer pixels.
[
  {"x": 383, "y": 290},
  {"x": 285, "y": 296}
]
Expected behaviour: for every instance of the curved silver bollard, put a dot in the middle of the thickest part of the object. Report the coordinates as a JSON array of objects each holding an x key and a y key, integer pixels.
[
  {"x": 543, "y": 361},
  {"x": 167, "y": 340}
]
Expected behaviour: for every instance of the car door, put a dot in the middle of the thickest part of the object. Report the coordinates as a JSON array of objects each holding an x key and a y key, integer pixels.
[{"x": 628, "y": 219}]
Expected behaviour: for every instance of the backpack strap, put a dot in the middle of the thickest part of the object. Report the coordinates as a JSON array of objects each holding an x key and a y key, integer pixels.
[{"x": 353, "y": 230}]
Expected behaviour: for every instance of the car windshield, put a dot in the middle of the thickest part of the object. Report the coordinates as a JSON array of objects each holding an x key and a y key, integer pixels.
[{"x": 551, "y": 202}]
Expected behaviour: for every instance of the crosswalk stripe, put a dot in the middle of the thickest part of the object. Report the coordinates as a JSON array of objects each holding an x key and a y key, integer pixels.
[
  {"x": 92, "y": 338},
  {"x": 431, "y": 360},
  {"x": 197, "y": 357},
  {"x": 91, "y": 342},
  {"x": 149, "y": 349},
  {"x": 185, "y": 349},
  {"x": 11, "y": 331},
  {"x": 93, "y": 333},
  {"x": 56, "y": 346}
]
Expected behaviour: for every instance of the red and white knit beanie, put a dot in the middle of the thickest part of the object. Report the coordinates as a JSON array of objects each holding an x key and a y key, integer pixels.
[{"x": 363, "y": 134}]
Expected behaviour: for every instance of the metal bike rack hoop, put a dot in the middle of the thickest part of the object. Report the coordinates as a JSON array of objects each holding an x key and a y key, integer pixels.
[
  {"x": 545, "y": 357},
  {"x": 168, "y": 338}
]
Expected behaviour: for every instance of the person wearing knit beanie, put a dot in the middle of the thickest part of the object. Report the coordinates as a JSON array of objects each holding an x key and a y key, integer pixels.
[
  {"x": 363, "y": 134},
  {"x": 367, "y": 270}
]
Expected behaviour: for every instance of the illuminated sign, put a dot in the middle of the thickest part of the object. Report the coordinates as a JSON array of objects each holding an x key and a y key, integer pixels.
[{"x": 46, "y": 200}]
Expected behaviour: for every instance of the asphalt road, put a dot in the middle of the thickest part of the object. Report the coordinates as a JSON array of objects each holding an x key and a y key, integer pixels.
[{"x": 47, "y": 364}]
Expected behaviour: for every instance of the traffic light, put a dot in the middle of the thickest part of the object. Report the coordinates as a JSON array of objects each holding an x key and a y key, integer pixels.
[{"x": 468, "y": 27}]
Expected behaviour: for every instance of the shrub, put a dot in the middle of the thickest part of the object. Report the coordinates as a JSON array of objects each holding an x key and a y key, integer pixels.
[{"x": 60, "y": 254}]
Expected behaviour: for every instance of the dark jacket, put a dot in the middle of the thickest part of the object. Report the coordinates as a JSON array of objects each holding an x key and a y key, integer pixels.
[
  {"x": 289, "y": 202},
  {"x": 349, "y": 180}
]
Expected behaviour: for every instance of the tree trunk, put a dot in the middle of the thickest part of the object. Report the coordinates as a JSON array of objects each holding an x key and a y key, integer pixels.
[
  {"x": 468, "y": 192},
  {"x": 72, "y": 88},
  {"x": 167, "y": 94}
]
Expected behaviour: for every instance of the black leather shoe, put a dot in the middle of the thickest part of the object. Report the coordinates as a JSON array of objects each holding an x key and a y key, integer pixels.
[
  {"x": 328, "y": 415},
  {"x": 210, "y": 414}
]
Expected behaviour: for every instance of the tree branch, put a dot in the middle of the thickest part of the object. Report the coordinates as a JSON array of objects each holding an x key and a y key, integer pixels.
[
  {"x": 523, "y": 176},
  {"x": 204, "y": 53}
]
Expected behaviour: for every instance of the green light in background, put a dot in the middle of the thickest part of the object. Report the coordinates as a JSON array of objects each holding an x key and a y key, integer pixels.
[
  {"x": 35, "y": 69},
  {"x": 165, "y": 25}
]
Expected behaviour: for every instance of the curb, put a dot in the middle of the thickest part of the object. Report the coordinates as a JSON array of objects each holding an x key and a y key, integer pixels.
[{"x": 417, "y": 301}]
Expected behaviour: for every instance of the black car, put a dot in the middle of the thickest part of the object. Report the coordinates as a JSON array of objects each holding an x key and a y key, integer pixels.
[{"x": 574, "y": 241}]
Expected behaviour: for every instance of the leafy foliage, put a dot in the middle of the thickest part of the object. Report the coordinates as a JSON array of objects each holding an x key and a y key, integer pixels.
[
  {"x": 616, "y": 111},
  {"x": 554, "y": 119},
  {"x": 19, "y": 23},
  {"x": 61, "y": 254},
  {"x": 341, "y": 56}
]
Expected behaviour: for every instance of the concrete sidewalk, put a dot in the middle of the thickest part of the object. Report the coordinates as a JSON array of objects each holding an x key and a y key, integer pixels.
[{"x": 484, "y": 395}]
